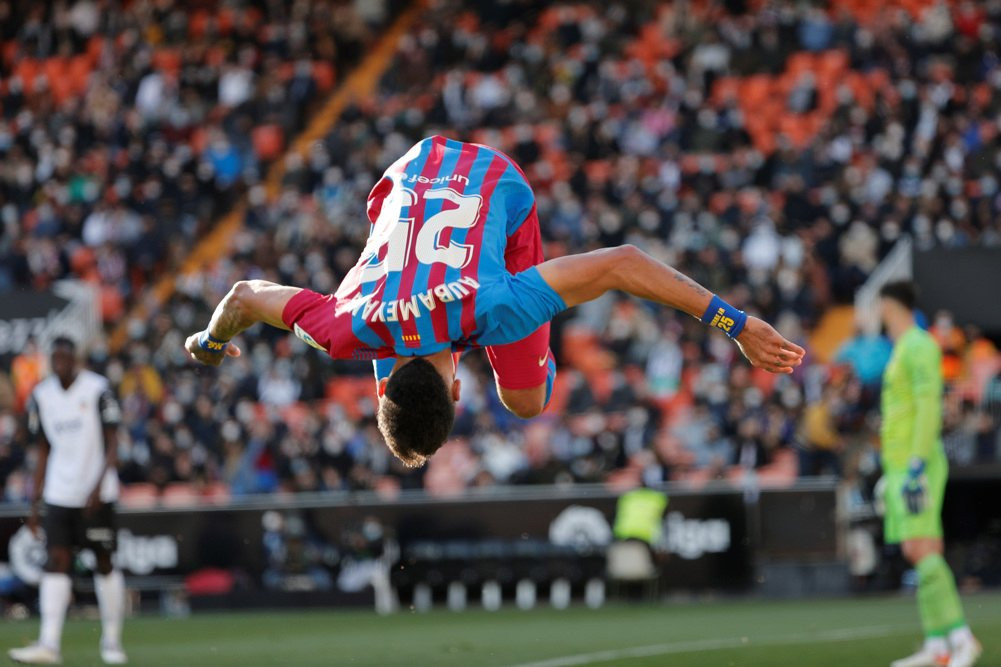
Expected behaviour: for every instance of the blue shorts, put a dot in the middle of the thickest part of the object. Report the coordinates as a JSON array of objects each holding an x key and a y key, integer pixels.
[{"x": 514, "y": 305}]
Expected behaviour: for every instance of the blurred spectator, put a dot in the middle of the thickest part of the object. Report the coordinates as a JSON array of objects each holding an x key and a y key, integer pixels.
[
  {"x": 867, "y": 353},
  {"x": 952, "y": 341},
  {"x": 26, "y": 370},
  {"x": 821, "y": 442}
]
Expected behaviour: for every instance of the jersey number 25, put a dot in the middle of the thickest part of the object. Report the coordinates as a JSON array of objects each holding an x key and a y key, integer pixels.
[{"x": 394, "y": 232}]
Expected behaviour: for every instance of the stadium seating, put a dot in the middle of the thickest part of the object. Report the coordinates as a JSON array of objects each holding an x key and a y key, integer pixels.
[{"x": 762, "y": 154}]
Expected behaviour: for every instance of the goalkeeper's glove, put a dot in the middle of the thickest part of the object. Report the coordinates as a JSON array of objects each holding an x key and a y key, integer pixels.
[{"x": 915, "y": 485}]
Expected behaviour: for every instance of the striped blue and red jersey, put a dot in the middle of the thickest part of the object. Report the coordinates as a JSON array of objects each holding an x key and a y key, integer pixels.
[
  {"x": 449, "y": 264},
  {"x": 449, "y": 259}
]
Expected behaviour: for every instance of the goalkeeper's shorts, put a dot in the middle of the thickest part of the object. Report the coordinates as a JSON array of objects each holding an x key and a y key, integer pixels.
[{"x": 898, "y": 523}]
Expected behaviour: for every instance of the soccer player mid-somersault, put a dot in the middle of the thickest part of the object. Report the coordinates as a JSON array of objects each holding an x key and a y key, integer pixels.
[{"x": 453, "y": 261}]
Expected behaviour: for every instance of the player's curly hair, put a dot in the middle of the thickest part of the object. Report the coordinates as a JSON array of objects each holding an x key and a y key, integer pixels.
[{"x": 417, "y": 412}]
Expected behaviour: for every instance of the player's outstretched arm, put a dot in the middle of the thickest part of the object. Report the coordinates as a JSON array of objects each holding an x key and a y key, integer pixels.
[
  {"x": 246, "y": 304},
  {"x": 580, "y": 278}
]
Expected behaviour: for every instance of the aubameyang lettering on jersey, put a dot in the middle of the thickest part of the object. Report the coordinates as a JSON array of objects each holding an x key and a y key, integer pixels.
[
  {"x": 374, "y": 310},
  {"x": 451, "y": 178}
]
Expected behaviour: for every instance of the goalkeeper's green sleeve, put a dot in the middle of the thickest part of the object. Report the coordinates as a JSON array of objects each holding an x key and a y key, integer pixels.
[{"x": 924, "y": 368}]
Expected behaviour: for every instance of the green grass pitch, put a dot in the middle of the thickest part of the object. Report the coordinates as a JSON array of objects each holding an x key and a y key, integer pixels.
[{"x": 747, "y": 633}]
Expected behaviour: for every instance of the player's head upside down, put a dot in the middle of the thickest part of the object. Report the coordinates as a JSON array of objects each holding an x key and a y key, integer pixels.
[{"x": 417, "y": 407}]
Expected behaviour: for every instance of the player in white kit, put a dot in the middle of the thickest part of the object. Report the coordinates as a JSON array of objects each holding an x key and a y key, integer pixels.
[{"x": 73, "y": 416}]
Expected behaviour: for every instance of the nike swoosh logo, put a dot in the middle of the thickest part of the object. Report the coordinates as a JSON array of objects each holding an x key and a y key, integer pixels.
[{"x": 543, "y": 360}]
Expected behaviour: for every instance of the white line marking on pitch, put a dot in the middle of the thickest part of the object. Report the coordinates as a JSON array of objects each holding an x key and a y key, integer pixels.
[{"x": 694, "y": 646}]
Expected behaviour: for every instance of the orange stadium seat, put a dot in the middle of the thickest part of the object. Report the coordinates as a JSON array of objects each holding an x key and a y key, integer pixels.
[
  {"x": 799, "y": 62},
  {"x": 294, "y": 415},
  {"x": 8, "y": 53},
  {"x": 79, "y": 70},
  {"x": 199, "y": 139},
  {"x": 216, "y": 493},
  {"x": 796, "y": 128},
  {"x": 198, "y": 22},
  {"x": 224, "y": 20},
  {"x": 285, "y": 71},
  {"x": 112, "y": 303},
  {"x": 860, "y": 89},
  {"x": 764, "y": 141},
  {"x": 27, "y": 69},
  {"x": 598, "y": 171},
  {"x": 725, "y": 88},
  {"x": 138, "y": 496},
  {"x": 348, "y": 392},
  {"x": 25, "y": 372},
  {"x": 781, "y": 472},
  {"x": 252, "y": 16},
  {"x": 167, "y": 60},
  {"x": 94, "y": 47},
  {"x": 179, "y": 494},
  {"x": 763, "y": 98},
  {"x": 548, "y": 134},
  {"x": 55, "y": 68},
  {"x": 62, "y": 89},
  {"x": 215, "y": 56},
  {"x": 581, "y": 350},
  {"x": 755, "y": 89},
  {"x": 763, "y": 380},
  {"x": 268, "y": 142},
  {"x": 324, "y": 76},
  {"x": 690, "y": 162},
  {"x": 561, "y": 393},
  {"x": 827, "y": 96},
  {"x": 832, "y": 63}
]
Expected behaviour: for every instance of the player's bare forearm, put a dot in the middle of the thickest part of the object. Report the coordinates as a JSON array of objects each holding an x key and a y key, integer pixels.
[
  {"x": 40, "y": 465},
  {"x": 246, "y": 304},
  {"x": 111, "y": 448},
  {"x": 580, "y": 278},
  {"x": 110, "y": 462},
  {"x": 39, "y": 485},
  {"x": 584, "y": 277}
]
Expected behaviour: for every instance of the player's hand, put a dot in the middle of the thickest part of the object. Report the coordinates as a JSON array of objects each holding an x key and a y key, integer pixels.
[
  {"x": 207, "y": 357},
  {"x": 765, "y": 348},
  {"x": 914, "y": 486}
]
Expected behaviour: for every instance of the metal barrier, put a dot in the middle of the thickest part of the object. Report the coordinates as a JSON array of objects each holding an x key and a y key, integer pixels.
[{"x": 509, "y": 542}]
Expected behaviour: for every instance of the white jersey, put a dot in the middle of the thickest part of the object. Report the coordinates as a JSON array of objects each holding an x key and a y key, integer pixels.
[{"x": 73, "y": 422}]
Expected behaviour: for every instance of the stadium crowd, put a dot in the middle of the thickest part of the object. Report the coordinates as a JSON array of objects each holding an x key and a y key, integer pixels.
[{"x": 632, "y": 124}]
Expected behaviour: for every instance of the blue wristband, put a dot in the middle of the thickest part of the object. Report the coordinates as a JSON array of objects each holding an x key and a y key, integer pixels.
[
  {"x": 210, "y": 343},
  {"x": 721, "y": 315}
]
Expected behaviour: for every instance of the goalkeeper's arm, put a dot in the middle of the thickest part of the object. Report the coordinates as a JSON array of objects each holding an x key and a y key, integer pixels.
[{"x": 924, "y": 371}]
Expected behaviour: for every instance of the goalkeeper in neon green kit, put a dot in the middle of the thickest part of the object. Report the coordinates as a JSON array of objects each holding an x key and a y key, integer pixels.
[{"x": 914, "y": 474}]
